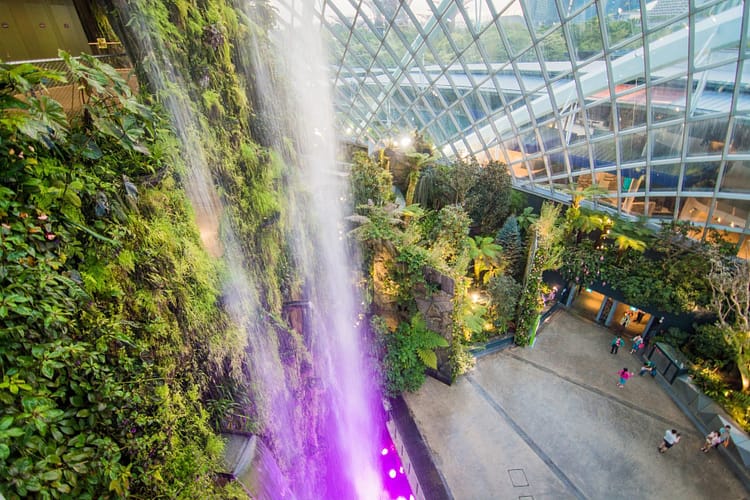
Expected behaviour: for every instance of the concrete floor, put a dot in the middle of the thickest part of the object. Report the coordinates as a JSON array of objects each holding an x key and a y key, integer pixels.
[{"x": 549, "y": 422}]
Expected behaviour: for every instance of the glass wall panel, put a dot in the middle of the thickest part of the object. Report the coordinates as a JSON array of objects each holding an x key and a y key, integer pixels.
[
  {"x": 556, "y": 159},
  {"x": 667, "y": 101},
  {"x": 672, "y": 14},
  {"x": 714, "y": 90},
  {"x": 604, "y": 153},
  {"x": 662, "y": 206},
  {"x": 543, "y": 15},
  {"x": 668, "y": 52},
  {"x": 578, "y": 156},
  {"x": 633, "y": 179},
  {"x": 631, "y": 109},
  {"x": 731, "y": 213},
  {"x": 666, "y": 142},
  {"x": 700, "y": 176},
  {"x": 516, "y": 32},
  {"x": 634, "y": 205},
  {"x": 622, "y": 23},
  {"x": 664, "y": 177},
  {"x": 633, "y": 146},
  {"x": 740, "y": 135},
  {"x": 583, "y": 180},
  {"x": 694, "y": 209},
  {"x": 554, "y": 47},
  {"x": 493, "y": 45},
  {"x": 599, "y": 118},
  {"x": 706, "y": 137},
  {"x": 538, "y": 169},
  {"x": 572, "y": 7},
  {"x": 736, "y": 177},
  {"x": 586, "y": 34}
]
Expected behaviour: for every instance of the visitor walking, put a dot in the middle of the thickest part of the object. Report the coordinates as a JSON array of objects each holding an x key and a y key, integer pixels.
[
  {"x": 616, "y": 343},
  {"x": 671, "y": 438},
  {"x": 637, "y": 344},
  {"x": 624, "y": 376}
]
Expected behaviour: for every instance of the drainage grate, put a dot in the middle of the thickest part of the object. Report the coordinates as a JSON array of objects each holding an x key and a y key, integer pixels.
[{"x": 518, "y": 477}]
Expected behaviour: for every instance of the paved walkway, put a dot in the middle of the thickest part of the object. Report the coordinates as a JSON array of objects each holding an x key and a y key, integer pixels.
[{"x": 549, "y": 422}]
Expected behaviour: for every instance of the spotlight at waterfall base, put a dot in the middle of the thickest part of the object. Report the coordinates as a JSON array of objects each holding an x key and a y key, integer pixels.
[{"x": 395, "y": 482}]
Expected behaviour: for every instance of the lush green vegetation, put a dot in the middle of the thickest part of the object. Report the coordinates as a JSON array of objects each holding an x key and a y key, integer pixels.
[
  {"x": 412, "y": 252},
  {"x": 111, "y": 338},
  {"x": 118, "y": 363}
]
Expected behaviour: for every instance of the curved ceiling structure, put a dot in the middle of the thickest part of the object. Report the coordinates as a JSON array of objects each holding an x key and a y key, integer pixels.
[{"x": 649, "y": 100}]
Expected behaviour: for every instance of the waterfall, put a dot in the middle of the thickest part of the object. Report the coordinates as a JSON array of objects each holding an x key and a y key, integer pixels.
[
  {"x": 327, "y": 440},
  {"x": 297, "y": 92}
]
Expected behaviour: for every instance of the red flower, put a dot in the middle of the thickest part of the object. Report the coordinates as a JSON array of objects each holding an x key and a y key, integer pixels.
[{"x": 50, "y": 236}]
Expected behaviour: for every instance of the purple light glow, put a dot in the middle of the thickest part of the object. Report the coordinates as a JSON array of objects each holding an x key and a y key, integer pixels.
[{"x": 396, "y": 486}]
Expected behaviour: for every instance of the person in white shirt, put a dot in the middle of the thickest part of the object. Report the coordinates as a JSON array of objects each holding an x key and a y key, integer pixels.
[{"x": 671, "y": 438}]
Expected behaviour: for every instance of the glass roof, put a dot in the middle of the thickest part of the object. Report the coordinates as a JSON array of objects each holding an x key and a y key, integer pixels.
[{"x": 648, "y": 99}]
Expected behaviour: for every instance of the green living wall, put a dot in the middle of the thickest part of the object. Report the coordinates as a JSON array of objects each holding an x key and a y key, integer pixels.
[{"x": 118, "y": 364}]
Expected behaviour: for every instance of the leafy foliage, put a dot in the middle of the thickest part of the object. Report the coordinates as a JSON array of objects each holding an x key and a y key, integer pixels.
[
  {"x": 504, "y": 292},
  {"x": 107, "y": 304},
  {"x": 485, "y": 255},
  {"x": 440, "y": 184},
  {"x": 509, "y": 238},
  {"x": 546, "y": 253},
  {"x": 409, "y": 351},
  {"x": 370, "y": 183},
  {"x": 448, "y": 236},
  {"x": 489, "y": 200}
]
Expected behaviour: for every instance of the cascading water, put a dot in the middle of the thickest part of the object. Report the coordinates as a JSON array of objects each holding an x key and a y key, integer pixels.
[
  {"x": 328, "y": 445},
  {"x": 351, "y": 422}
]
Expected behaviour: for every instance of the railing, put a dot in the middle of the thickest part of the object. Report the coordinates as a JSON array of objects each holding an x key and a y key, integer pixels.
[
  {"x": 67, "y": 94},
  {"x": 120, "y": 61}
]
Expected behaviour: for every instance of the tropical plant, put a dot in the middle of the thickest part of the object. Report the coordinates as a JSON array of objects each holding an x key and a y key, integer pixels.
[
  {"x": 445, "y": 184},
  {"x": 504, "y": 292},
  {"x": 546, "y": 253},
  {"x": 729, "y": 280},
  {"x": 629, "y": 235},
  {"x": 488, "y": 201},
  {"x": 409, "y": 351},
  {"x": 417, "y": 162},
  {"x": 527, "y": 218},
  {"x": 448, "y": 236},
  {"x": 509, "y": 238},
  {"x": 485, "y": 255},
  {"x": 370, "y": 183}
]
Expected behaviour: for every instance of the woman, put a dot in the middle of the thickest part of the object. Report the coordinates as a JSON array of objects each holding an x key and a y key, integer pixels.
[
  {"x": 671, "y": 438},
  {"x": 713, "y": 439},
  {"x": 637, "y": 343}
]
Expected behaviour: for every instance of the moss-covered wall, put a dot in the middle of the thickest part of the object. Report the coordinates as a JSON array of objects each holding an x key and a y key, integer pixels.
[{"x": 119, "y": 362}]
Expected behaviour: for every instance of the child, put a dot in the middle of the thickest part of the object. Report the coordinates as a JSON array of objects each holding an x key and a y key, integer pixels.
[
  {"x": 615, "y": 345},
  {"x": 624, "y": 376}
]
